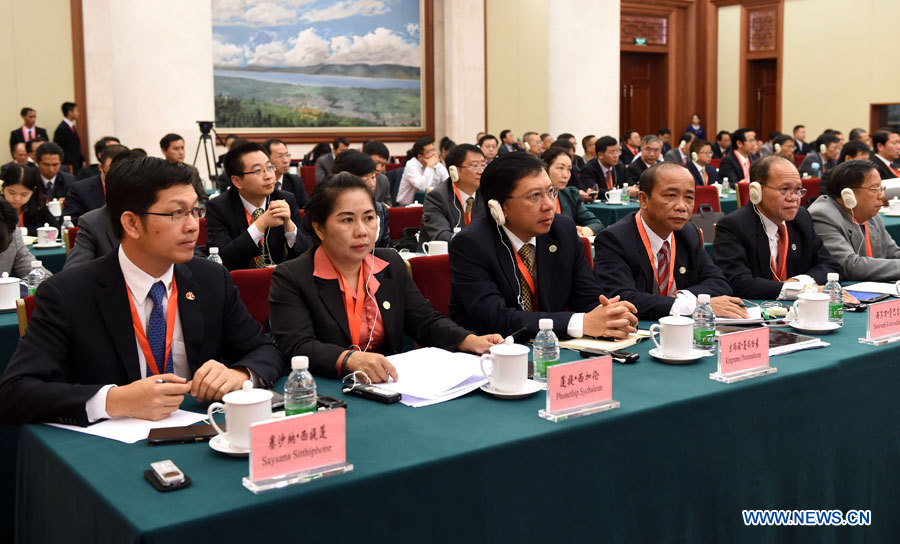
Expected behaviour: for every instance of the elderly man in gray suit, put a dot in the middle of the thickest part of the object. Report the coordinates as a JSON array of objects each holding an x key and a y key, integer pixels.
[
  {"x": 325, "y": 162},
  {"x": 95, "y": 238},
  {"x": 847, "y": 221}
]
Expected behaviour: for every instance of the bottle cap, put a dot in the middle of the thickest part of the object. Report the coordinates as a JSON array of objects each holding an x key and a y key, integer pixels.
[
  {"x": 299, "y": 362},
  {"x": 833, "y": 276},
  {"x": 703, "y": 298},
  {"x": 213, "y": 251},
  {"x": 67, "y": 217},
  {"x": 36, "y": 264},
  {"x": 545, "y": 324}
]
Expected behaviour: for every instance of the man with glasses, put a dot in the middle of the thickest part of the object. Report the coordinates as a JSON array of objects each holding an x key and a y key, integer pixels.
[
  {"x": 655, "y": 259},
  {"x": 523, "y": 262},
  {"x": 735, "y": 167},
  {"x": 770, "y": 250},
  {"x": 603, "y": 173},
  {"x": 651, "y": 149},
  {"x": 847, "y": 220},
  {"x": 455, "y": 202},
  {"x": 253, "y": 224},
  {"x": 132, "y": 333},
  {"x": 280, "y": 158}
]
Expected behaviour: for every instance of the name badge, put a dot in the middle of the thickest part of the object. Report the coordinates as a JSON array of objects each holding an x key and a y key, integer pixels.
[
  {"x": 884, "y": 319},
  {"x": 743, "y": 355},
  {"x": 579, "y": 388}
]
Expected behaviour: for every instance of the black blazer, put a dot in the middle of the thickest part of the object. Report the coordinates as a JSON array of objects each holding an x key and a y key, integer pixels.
[
  {"x": 730, "y": 168},
  {"x": 83, "y": 196},
  {"x": 226, "y": 229},
  {"x": 484, "y": 285},
  {"x": 17, "y": 137},
  {"x": 88, "y": 171},
  {"x": 70, "y": 143},
  {"x": 698, "y": 179},
  {"x": 802, "y": 148},
  {"x": 61, "y": 185},
  {"x": 294, "y": 185},
  {"x": 622, "y": 266},
  {"x": 742, "y": 252},
  {"x": 882, "y": 168},
  {"x": 442, "y": 213},
  {"x": 717, "y": 151},
  {"x": 627, "y": 156},
  {"x": 308, "y": 315},
  {"x": 634, "y": 171},
  {"x": 80, "y": 338},
  {"x": 503, "y": 150},
  {"x": 95, "y": 238},
  {"x": 592, "y": 174}
]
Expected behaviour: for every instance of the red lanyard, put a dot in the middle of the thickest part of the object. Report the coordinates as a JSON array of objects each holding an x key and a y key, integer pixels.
[
  {"x": 558, "y": 206},
  {"x": 640, "y": 226},
  {"x": 152, "y": 364},
  {"x": 466, "y": 216},
  {"x": 865, "y": 227},
  {"x": 526, "y": 275},
  {"x": 634, "y": 150},
  {"x": 22, "y": 219},
  {"x": 354, "y": 312},
  {"x": 249, "y": 218},
  {"x": 896, "y": 173}
]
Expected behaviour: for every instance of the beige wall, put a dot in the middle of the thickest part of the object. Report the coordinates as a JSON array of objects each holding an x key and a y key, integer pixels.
[
  {"x": 847, "y": 50},
  {"x": 37, "y": 74},
  {"x": 728, "y": 68}
]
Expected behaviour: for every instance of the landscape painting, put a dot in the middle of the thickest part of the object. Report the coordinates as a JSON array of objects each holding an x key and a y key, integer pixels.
[{"x": 317, "y": 63}]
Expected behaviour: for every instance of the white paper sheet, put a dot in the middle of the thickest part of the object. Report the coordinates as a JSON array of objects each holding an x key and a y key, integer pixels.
[
  {"x": 131, "y": 430},
  {"x": 432, "y": 375},
  {"x": 882, "y": 288}
]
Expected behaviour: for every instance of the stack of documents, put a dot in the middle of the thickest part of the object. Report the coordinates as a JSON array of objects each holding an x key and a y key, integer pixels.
[
  {"x": 132, "y": 429},
  {"x": 431, "y": 375}
]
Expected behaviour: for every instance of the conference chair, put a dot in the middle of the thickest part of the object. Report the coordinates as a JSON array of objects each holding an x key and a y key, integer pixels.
[
  {"x": 69, "y": 238},
  {"x": 743, "y": 193},
  {"x": 588, "y": 251},
  {"x": 201, "y": 235},
  {"x": 431, "y": 275},
  {"x": 400, "y": 218},
  {"x": 812, "y": 190},
  {"x": 24, "y": 308},
  {"x": 308, "y": 174},
  {"x": 707, "y": 194},
  {"x": 253, "y": 288}
]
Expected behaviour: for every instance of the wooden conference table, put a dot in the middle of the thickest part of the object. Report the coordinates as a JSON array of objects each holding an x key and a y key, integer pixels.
[{"x": 677, "y": 462}]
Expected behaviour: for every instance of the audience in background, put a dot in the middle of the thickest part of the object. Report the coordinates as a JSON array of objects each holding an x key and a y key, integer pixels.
[
  {"x": 89, "y": 194},
  {"x": 379, "y": 154},
  {"x": 489, "y": 147},
  {"x": 604, "y": 173},
  {"x": 19, "y": 155},
  {"x": 508, "y": 142},
  {"x": 323, "y": 163},
  {"x": 91, "y": 170},
  {"x": 20, "y": 189},
  {"x": 828, "y": 149},
  {"x": 54, "y": 182},
  {"x": 735, "y": 167},
  {"x": 421, "y": 172},
  {"x": 699, "y": 164},
  {"x": 887, "y": 151},
  {"x": 800, "y": 145},
  {"x": 590, "y": 152},
  {"x": 455, "y": 202},
  {"x": 651, "y": 148},
  {"x": 66, "y": 137},
  {"x": 696, "y": 128},
  {"x": 860, "y": 135},
  {"x": 28, "y": 131},
  {"x": 280, "y": 158},
  {"x": 631, "y": 146},
  {"x": 682, "y": 153},
  {"x": 558, "y": 165},
  {"x": 722, "y": 145},
  {"x": 172, "y": 148},
  {"x": 665, "y": 135},
  {"x": 15, "y": 258},
  {"x": 532, "y": 144}
]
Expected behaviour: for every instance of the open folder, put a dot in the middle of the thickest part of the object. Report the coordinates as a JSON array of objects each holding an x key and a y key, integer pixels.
[{"x": 432, "y": 375}]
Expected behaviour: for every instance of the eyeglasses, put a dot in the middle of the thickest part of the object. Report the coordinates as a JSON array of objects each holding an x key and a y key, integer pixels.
[
  {"x": 535, "y": 197},
  {"x": 705, "y": 153},
  {"x": 179, "y": 216},
  {"x": 260, "y": 171},
  {"x": 786, "y": 191},
  {"x": 877, "y": 190},
  {"x": 474, "y": 167}
]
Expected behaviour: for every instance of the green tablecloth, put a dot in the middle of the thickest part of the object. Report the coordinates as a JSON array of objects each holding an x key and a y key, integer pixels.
[
  {"x": 610, "y": 213},
  {"x": 52, "y": 259},
  {"x": 676, "y": 463}
]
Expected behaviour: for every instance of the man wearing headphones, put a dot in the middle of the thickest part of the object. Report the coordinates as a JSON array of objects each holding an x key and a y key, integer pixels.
[
  {"x": 655, "y": 258},
  {"x": 769, "y": 249},
  {"x": 523, "y": 262},
  {"x": 455, "y": 202},
  {"x": 847, "y": 221}
]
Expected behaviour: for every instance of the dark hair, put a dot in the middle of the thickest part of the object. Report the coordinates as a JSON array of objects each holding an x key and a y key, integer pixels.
[
  {"x": 774, "y": 134},
  {"x": 663, "y": 131},
  {"x": 356, "y": 162},
  {"x": 688, "y": 137},
  {"x": 8, "y": 222},
  {"x": 759, "y": 171},
  {"x": 501, "y": 176},
  {"x": 28, "y": 177},
  {"x": 566, "y": 136},
  {"x": 48, "y": 148},
  {"x": 740, "y": 135},
  {"x": 447, "y": 144},
  {"x": 503, "y": 133},
  {"x": 110, "y": 152},
  {"x": 168, "y": 140},
  {"x": 139, "y": 152},
  {"x": 565, "y": 144},
  {"x": 36, "y": 140},
  {"x": 25, "y": 111},
  {"x": 267, "y": 145},
  {"x": 457, "y": 154},
  {"x": 547, "y": 157},
  {"x": 374, "y": 147},
  {"x": 487, "y": 137},
  {"x": 324, "y": 197},
  {"x": 544, "y": 135},
  {"x": 230, "y": 136},
  {"x": 722, "y": 133},
  {"x": 797, "y": 127},
  {"x": 826, "y": 139},
  {"x": 134, "y": 186},
  {"x": 340, "y": 140},
  {"x": 698, "y": 144},
  {"x": 780, "y": 140},
  {"x": 585, "y": 140},
  {"x": 419, "y": 147},
  {"x": 881, "y": 137},
  {"x": 852, "y": 149},
  {"x": 628, "y": 134},
  {"x": 603, "y": 143},
  {"x": 855, "y": 133},
  {"x": 103, "y": 142},
  {"x": 234, "y": 165},
  {"x": 847, "y": 174},
  {"x": 67, "y": 107},
  {"x": 648, "y": 178},
  {"x": 320, "y": 149},
  {"x": 697, "y": 114}
]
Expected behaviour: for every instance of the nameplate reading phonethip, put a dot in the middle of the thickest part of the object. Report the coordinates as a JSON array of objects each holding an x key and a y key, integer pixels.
[{"x": 579, "y": 388}]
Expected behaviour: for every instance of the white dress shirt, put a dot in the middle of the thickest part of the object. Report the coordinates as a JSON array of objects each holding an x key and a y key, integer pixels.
[
  {"x": 253, "y": 230},
  {"x": 417, "y": 177},
  {"x": 684, "y": 301},
  {"x": 789, "y": 290}
]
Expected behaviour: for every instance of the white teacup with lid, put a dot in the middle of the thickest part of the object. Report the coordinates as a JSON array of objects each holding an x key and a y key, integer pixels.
[{"x": 242, "y": 408}]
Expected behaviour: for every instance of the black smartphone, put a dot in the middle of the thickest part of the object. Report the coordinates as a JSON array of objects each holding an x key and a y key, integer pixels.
[
  {"x": 181, "y": 435},
  {"x": 329, "y": 403}
]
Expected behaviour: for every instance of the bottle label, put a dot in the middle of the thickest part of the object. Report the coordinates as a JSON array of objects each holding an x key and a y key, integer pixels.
[
  {"x": 540, "y": 367},
  {"x": 704, "y": 337},
  {"x": 836, "y": 311},
  {"x": 293, "y": 410}
]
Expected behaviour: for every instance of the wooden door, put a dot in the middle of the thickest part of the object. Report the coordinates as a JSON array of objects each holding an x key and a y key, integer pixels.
[
  {"x": 761, "y": 96},
  {"x": 643, "y": 104}
]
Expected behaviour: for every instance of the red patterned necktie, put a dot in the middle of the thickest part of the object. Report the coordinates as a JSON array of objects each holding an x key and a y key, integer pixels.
[{"x": 662, "y": 269}]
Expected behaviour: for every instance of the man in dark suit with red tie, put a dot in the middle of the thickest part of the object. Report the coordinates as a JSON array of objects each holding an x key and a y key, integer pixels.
[
  {"x": 280, "y": 158},
  {"x": 603, "y": 173},
  {"x": 631, "y": 146},
  {"x": 698, "y": 164},
  {"x": 769, "y": 249},
  {"x": 28, "y": 131},
  {"x": 54, "y": 182},
  {"x": 886, "y": 152},
  {"x": 66, "y": 137},
  {"x": 736, "y": 165}
]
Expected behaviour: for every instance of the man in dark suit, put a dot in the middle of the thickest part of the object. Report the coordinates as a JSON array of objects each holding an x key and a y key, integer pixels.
[
  {"x": 887, "y": 151},
  {"x": 20, "y": 156},
  {"x": 651, "y": 148},
  {"x": 66, "y": 137},
  {"x": 79, "y": 361},
  {"x": 325, "y": 162},
  {"x": 655, "y": 259},
  {"x": 698, "y": 165},
  {"x": 54, "y": 182},
  {"x": 92, "y": 170},
  {"x": 721, "y": 146},
  {"x": 735, "y": 167},
  {"x": 280, "y": 158},
  {"x": 800, "y": 145},
  {"x": 605, "y": 172},
  {"x": 252, "y": 224},
  {"x": 379, "y": 154},
  {"x": 665, "y": 136},
  {"x": 508, "y": 142},
  {"x": 455, "y": 202},
  {"x": 682, "y": 153},
  {"x": 28, "y": 130},
  {"x": 770, "y": 250},
  {"x": 89, "y": 194},
  {"x": 524, "y": 262},
  {"x": 631, "y": 146},
  {"x": 95, "y": 238},
  {"x": 172, "y": 148}
]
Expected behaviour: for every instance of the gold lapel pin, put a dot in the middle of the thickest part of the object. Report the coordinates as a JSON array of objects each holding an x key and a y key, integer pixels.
[
  {"x": 552, "y": 249},
  {"x": 794, "y": 247},
  {"x": 189, "y": 295},
  {"x": 386, "y": 305},
  {"x": 682, "y": 270}
]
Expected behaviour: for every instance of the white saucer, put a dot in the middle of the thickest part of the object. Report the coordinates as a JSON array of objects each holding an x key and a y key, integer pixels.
[
  {"x": 620, "y": 203},
  {"x": 892, "y": 214},
  {"x": 221, "y": 445},
  {"x": 531, "y": 387},
  {"x": 47, "y": 246},
  {"x": 695, "y": 354},
  {"x": 830, "y": 327}
]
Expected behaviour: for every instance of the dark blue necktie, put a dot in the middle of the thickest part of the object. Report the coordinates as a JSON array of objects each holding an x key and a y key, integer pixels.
[{"x": 156, "y": 328}]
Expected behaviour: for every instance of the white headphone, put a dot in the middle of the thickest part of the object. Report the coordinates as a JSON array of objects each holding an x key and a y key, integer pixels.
[
  {"x": 526, "y": 145},
  {"x": 497, "y": 212},
  {"x": 454, "y": 173},
  {"x": 777, "y": 148},
  {"x": 849, "y": 198},
  {"x": 822, "y": 148},
  {"x": 755, "y": 193},
  {"x": 681, "y": 143},
  {"x": 694, "y": 156},
  {"x": 454, "y": 177}
]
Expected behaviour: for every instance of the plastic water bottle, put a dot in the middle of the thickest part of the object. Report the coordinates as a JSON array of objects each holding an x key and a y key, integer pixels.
[
  {"x": 816, "y": 173},
  {"x": 67, "y": 223},
  {"x": 836, "y": 304},
  {"x": 214, "y": 255},
  {"x": 704, "y": 325},
  {"x": 35, "y": 277},
  {"x": 546, "y": 350},
  {"x": 300, "y": 388},
  {"x": 626, "y": 195}
]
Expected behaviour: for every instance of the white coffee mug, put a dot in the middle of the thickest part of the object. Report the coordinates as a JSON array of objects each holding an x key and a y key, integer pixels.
[
  {"x": 23, "y": 231},
  {"x": 676, "y": 335},
  {"x": 718, "y": 187},
  {"x": 46, "y": 235},
  {"x": 509, "y": 367},
  {"x": 811, "y": 310},
  {"x": 895, "y": 205},
  {"x": 242, "y": 408},
  {"x": 55, "y": 207},
  {"x": 435, "y": 247},
  {"x": 614, "y": 196},
  {"x": 9, "y": 292}
]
